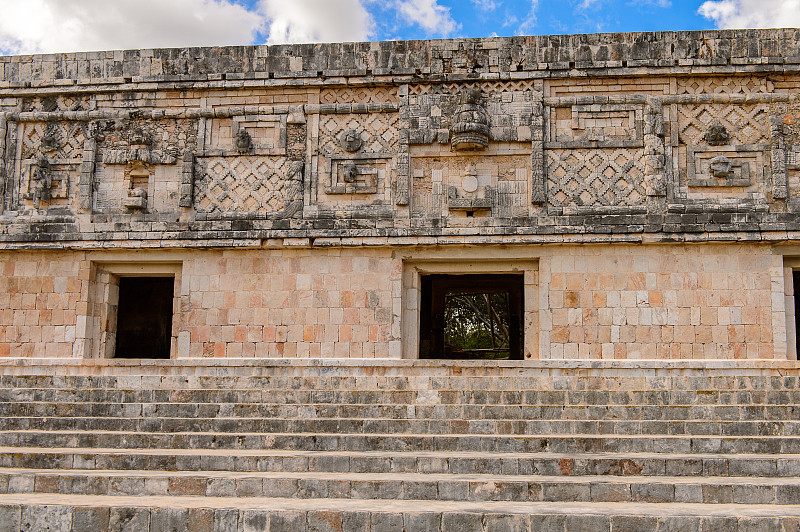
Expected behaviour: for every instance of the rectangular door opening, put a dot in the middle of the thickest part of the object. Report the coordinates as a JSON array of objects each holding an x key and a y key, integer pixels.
[
  {"x": 144, "y": 317},
  {"x": 471, "y": 316}
]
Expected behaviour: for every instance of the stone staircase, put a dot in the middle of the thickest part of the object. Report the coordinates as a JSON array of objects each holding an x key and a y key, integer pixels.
[{"x": 406, "y": 446}]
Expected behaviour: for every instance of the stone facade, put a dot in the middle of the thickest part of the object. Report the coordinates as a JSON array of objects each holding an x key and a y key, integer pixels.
[{"x": 647, "y": 187}]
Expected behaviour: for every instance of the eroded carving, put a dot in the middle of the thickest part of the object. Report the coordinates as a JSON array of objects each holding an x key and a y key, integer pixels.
[
  {"x": 40, "y": 181},
  {"x": 350, "y": 141},
  {"x": 720, "y": 166},
  {"x": 717, "y": 135},
  {"x": 243, "y": 141},
  {"x": 139, "y": 151},
  {"x": 470, "y": 127}
]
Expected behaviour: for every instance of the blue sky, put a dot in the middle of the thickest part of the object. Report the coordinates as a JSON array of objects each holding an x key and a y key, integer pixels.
[
  {"x": 48, "y": 26},
  {"x": 514, "y": 17}
]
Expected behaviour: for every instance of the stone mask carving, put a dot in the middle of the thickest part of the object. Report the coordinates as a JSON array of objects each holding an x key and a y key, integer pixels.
[
  {"x": 243, "y": 140},
  {"x": 50, "y": 140},
  {"x": 720, "y": 167},
  {"x": 717, "y": 135},
  {"x": 470, "y": 127},
  {"x": 350, "y": 141},
  {"x": 139, "y": 138}
]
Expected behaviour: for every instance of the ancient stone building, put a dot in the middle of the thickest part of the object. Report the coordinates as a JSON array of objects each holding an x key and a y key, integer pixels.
[{"x": 616, "y": 215}]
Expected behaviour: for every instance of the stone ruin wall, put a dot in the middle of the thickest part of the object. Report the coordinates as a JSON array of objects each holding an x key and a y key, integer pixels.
[{"x": 648, "y": 185}]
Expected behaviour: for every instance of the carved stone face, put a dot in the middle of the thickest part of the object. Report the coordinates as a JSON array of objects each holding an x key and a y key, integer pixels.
[
  {"x": 350, "y": 141},
  {"x": 140, "y": 138},
  {"x": 720, "y": 167},
  {"x": 243, "y": 141},
  {"x": 41, "y": 170},
  {"x": 717, "y": 135},
  {"x": 50, "y": 138},
  {"x": 350, "y": 174}
]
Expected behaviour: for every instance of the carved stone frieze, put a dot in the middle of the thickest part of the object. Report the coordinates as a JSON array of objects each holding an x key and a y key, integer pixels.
[
  {"x": 587, "y": 177},
  {"x": 245, "y": 134},
  {"x": 723, "y": 167},
  {"x": 723, "y": 85},
  {"x": 246, "y": 184},
  {"x": 470, "y": 127},
  {"x": 456, "y": 182},
  {"x": 743, "y": 123},
  {"x": 377, "y": 133},
  {"x": 595, "y": 125}
]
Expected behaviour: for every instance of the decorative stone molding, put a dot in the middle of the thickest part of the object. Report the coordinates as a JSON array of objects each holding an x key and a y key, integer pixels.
[
  {"x": 723, "y": 166},
  {"x": 86, "y": 180},
  {"x": 187, "y": 179},
  {"x": 778, "y": 159},
  {"x": 357, "y": 174}
]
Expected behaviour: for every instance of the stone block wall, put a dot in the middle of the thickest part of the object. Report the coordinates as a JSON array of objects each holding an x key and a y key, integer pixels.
[
  {"x": 649, "y": 182},
  {"x": 588, "y": 302},
  {"x": 41, "y": 300},
  {"x": 293, "y": 303},
  {"x": 667, "y": 302}
]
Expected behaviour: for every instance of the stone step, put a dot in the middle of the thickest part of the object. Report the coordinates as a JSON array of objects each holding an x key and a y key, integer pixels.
[
  {"x": 399, "y": 411},
  {"x": 559, "y": 443},
  {"x": 403, "y": 426},
  {"x": 406, "y": 397},
  {"x": 521, "y": 377},
  {"x": 552, "y": 464},
  {"x": 79, "y": 513},
  {"x": 406, "y": 486}
]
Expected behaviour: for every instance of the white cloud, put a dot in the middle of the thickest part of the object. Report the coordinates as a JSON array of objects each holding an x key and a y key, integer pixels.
[
  {"x": 486, "y": 5},
  {"x": 41, "y": 26},
  {"x": 293, "y": 21},
  {"x": 428, "y": 15},
  {"x": 752, "y": 13},
  {"x": 588, "y": 4},
  {"x": 530, "y": 20}
]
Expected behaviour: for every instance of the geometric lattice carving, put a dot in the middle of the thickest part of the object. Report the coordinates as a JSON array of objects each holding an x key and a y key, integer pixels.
[
  {"x": 489, "y": 88},
  {"x": 723, "y": 85},
  {"x": 587, "y": 177},
  {"x": 378, "y": 132},
  {"x": 243, "y": 184},
  {"x": 63, "y": 140},
  {"x": 62, "y": 102},
  {"x": 359, "y": 95},
  {"x": 745, "y": 123}
]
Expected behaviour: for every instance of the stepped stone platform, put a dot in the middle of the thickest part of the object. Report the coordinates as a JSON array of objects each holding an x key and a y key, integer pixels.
[{"x": 384, "y": 445}]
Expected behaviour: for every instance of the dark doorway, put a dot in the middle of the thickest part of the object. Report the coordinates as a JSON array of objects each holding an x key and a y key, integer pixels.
[
  {"x": 471, "y": 317},
  {"x": 144, "y": 317}
]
